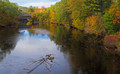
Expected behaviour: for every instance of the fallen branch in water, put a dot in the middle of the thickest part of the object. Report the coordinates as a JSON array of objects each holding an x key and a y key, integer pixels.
[{"x": 47, "y": 60}]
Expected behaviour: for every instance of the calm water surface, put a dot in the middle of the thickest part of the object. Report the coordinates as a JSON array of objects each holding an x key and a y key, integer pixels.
[{"x": 74, "y": 52}]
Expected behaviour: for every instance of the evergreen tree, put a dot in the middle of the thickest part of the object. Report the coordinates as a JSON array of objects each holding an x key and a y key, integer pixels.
[{"x": 98, "y": 6}]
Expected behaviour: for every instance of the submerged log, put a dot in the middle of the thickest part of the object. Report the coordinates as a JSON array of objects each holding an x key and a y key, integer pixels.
[{"x": 46, "y": 60}]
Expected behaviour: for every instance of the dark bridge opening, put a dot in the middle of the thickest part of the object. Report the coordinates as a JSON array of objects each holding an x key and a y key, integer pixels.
[{"x": 24, "y": 17}]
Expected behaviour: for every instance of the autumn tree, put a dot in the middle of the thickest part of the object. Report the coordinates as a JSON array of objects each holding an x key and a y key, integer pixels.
[
  {"x": 8, "y": 13},
  {"x": 78, "y": 13},
  {"x": 62, "y": 13},
  {"x": 98, "y": 6},
  {"x": 112, "y": 18}
]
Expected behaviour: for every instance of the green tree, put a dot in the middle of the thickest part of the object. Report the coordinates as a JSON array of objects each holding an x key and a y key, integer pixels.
[
  {"x": 62, "y": 13},
  {"x": 8, "y": 13},
  {"x": 98, "y": 6},
  {"x": 112, "y": 18}
]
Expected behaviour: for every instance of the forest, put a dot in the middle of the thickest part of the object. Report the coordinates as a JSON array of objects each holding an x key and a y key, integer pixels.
[
  {"x": 8, "y": 13},
  {"x": 75, "y": 36},
  {"x": 92, "y": 16},
  {"x": 95, "y": 17}
]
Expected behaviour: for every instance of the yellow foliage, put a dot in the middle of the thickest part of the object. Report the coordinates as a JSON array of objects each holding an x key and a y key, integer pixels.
[
  {"x": 52, "y": 29},
  {"x": 52, "y": 15},
  {"x": 5, "y": 19},
  {"x": 92, "y": 24},
  {"x": 28, "y": 23},
  {"x": 79, "y": 24}
]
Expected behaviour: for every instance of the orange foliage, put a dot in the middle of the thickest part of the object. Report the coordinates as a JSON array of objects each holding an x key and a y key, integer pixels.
[
  {"x": 115, "y": 12},
  {"x": 28, "y": 23},
  {"x": 92, "y": 24},
  {"x": 52, "y": 15},
  {"x": 52, "y": 29},
  {"x": 37, "y": 11},
  {"x": 117, "y": 18}
]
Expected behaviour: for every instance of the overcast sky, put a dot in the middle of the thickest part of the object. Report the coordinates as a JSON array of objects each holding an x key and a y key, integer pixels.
[{"x": 39, "y": 3}]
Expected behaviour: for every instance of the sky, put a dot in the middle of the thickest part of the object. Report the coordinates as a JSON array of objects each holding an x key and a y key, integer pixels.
[{"x": 36, "y": 3}]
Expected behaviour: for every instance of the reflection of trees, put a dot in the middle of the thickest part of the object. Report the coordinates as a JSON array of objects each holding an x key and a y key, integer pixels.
[
  {"x": 86, "y": 53},
  {"x": 36, "y": 32},
  {"x": 8, "y": 40},
  {"x": 62, "y": 36}
]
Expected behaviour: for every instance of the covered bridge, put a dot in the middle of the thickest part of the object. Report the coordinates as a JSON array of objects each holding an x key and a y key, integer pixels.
[{"x": 24, "y": 17}]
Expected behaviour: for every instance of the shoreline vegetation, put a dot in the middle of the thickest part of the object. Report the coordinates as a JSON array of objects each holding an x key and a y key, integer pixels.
[{"x": 99, "y": 18}]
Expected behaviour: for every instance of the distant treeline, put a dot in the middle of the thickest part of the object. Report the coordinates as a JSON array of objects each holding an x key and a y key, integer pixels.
[{"x": 93, "y": 16}]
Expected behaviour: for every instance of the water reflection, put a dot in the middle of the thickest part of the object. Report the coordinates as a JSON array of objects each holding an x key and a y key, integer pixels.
[
  {"x": 32, "y": 45},
  {"x": 87, "y": 54},
  {"x": 75, "y": 52},
  {"x": 35, "y": 33},
  {"x": 8, "y": 41}
]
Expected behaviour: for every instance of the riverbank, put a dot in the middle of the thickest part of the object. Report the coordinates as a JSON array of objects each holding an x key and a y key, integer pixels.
[{"x": 110, "y": 43}]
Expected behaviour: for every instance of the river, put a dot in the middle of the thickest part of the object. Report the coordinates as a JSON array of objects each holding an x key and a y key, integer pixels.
[{"x": 74, "y": 52}]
